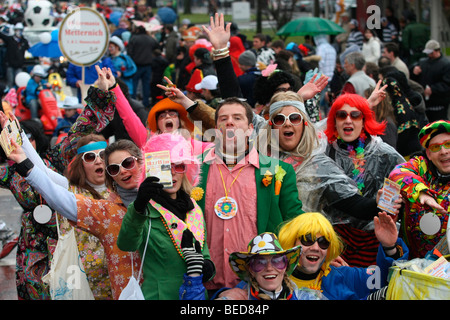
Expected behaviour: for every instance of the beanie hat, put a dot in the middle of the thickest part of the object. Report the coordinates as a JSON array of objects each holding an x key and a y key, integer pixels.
[
  {"x": 431, "y": 130},
  {"x": 247, "y": 58}
]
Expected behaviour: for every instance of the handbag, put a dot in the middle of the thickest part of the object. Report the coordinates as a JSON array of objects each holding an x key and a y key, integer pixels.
[
  {"x": 133, "y": 290},
  {"x": 67, "y": 278}
]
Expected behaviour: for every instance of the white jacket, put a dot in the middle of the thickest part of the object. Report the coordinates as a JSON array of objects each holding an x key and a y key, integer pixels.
[{"x": 372, "y": 50}]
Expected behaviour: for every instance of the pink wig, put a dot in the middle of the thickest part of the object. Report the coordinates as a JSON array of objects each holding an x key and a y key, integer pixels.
[
  {"x": 180, "y": 152},
  {"x": 371, "y": 126}
]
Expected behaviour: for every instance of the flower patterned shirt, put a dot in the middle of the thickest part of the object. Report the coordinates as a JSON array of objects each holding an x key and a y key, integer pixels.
[
  {"x": 91, "y": 252},
  {"x": 103, "y": 218}
]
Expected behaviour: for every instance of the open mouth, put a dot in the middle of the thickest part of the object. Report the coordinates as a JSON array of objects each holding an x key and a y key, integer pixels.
[
  {"x": 270, "y": 277},
  {"x": 348, "y": 130},
  {"x": 288, "y": 134},
  {"x": 99, "y": 171},
  {"x": 230, "y": 134},
  {"x": 126, "y": 179},
  {"x": 169, "y": 125},
  {"x": 312, "y": 258}
]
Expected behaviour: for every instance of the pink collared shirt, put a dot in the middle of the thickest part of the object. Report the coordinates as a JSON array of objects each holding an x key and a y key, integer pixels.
[{"x": 227, "y": 236}]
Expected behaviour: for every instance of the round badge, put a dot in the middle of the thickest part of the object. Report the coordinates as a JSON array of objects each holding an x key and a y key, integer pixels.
[
  {"x": 430, "y": 223},
  {"x": 42, "y": 214},
  {"x": 226, "y": 208}
]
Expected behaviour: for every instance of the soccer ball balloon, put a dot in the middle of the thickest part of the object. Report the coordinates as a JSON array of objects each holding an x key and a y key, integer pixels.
[{"x": 38, "y": 15}]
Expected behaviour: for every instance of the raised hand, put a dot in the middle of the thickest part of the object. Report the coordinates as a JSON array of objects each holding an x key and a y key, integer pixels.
[
  {"x": 313, "y": 87},
  {"x": 105, "y": 78},
  {"x": 175, "y": 94},
  {"x": 17, "y": 154},
  {"x": 218, "y": 33},
  {"x": 378, "y": 95},
  {"x": 385, "y": 229}
]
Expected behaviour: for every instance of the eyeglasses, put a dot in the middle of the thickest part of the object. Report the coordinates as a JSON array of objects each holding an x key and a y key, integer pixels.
[
  {"x": 178, "y": 167},
  {"x": 308, "y": 241},
  {"x": 91, "y": 156},
  {"x": 437, "y": 146},
  {"x": 170, "y": 113},
  {"x": 127, "y": 163},
  {"x": 280, "y": 119},
  {"x": 354, "y": 115},
  {"x": 259, "y": 263}
]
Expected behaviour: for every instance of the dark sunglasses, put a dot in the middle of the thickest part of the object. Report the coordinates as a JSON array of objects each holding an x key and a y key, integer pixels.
[
  {"x": 354, "y": 115},
  {"x": 259, "y": 263},
  {"x": 435, "y": 147},
  {"x": 308, "y": 241},
  {"x": 91, "y": 156},
  {"x": 178, "y": 168},
  {"x": 280, "y": 119},
  {"x": 127, "y": 163}
]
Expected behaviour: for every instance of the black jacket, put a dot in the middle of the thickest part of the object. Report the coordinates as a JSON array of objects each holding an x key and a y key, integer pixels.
[{"x": 436, "y": 74}]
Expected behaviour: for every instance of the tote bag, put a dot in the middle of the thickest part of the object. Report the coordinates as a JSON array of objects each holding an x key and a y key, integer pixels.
[{"x": 67, "y": 279}]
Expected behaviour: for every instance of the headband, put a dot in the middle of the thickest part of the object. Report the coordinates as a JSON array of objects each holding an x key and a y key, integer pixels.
[
  {"x": 274, "y": 107},
  {"x": 92, "y": 146}
]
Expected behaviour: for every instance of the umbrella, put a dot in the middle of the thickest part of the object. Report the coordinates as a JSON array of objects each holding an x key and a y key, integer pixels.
[
  {"x": 167, "y": 15},
  {"x": 309, "y": 26},
  {"x": 50, "y": 49}
]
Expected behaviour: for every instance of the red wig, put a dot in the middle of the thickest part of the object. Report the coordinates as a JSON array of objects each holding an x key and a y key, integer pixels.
[{"x": 371, "y": 126}]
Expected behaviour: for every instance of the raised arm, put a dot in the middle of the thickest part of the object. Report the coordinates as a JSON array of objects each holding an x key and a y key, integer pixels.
[
  {"x": 131, "y": 121},
  {"x": 57, "y": 197}
]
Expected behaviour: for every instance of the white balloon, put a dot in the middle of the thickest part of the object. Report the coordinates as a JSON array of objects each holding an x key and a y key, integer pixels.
[
  {"x": 45, "y": 37},
  {"x": 22, "y": 79}
]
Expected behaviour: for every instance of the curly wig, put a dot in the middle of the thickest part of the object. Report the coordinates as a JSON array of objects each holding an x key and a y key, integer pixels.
[{"x": 265, "y": 86}]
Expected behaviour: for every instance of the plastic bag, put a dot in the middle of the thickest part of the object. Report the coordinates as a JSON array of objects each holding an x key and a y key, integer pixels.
[
  {"x": 411, "y": 285},
  {"x": 132, "y": 291}
]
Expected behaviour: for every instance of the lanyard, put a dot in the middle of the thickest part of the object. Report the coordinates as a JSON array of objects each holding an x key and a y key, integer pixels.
[{"x": 223, "y": 181}]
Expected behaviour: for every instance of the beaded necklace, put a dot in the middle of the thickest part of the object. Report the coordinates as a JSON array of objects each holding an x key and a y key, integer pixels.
[{"x": 357, "y": 156}]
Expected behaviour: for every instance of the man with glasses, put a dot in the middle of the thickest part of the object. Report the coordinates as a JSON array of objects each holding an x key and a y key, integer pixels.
[{"x": 425, "y": 186}]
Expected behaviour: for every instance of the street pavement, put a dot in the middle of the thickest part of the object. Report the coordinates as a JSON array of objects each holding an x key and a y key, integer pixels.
[{"x": 10, "y": 213}]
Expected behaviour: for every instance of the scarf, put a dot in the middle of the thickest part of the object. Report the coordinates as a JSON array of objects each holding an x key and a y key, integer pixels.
[
  {"x": 179, "y": 206},
  {"x": 127, "y": 195}
]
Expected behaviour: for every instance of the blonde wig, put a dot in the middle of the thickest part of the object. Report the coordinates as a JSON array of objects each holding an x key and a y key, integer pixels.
[
  {"x": 308, "y": 141},
  {"x": 311, "y": 223}
]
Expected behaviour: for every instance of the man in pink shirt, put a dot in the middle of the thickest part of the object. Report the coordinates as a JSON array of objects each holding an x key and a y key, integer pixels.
[{"x": 238, "y": 201}]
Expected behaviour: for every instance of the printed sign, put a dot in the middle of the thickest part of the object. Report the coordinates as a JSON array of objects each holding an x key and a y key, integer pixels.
[
  {"x": 157, "y": 164},
  {"x": 391, "y": 192},
  {"x": 83, "y": 36}
]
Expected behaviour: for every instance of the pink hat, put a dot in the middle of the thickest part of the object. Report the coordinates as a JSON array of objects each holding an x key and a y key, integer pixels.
[{"x": 180, "y": 152}]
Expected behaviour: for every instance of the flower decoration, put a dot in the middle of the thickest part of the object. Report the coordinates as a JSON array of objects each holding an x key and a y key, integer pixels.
[
  {"x": 264, "y": 243},
  {"x": 279, "y": 175},
  {"x": 267, "y": 72},
  {"x": 267, "y": 180},
  {"x": 197, "y": 193}
]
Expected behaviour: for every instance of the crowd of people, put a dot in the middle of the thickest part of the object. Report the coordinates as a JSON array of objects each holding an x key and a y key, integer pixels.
[{"x": 278, "y": 158}]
